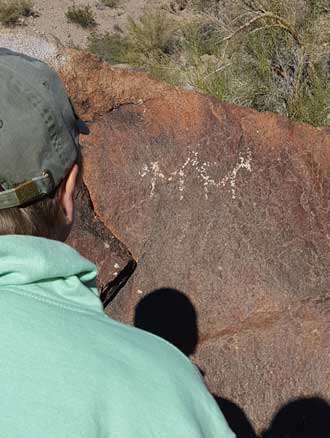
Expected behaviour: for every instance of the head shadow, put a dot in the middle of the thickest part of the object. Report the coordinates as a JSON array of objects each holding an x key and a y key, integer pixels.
[
  {"x": 301, "y": 418},
  {"x": 169, "y": 314}
]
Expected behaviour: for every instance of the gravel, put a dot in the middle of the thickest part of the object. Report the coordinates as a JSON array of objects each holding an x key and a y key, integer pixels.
[{"x": 33, "y": 46}]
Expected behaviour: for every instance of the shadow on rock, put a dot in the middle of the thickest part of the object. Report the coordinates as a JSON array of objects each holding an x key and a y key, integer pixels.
[
  {"x": 236, "y": 418},
  {"x": 302, "y": 418},
  {"x": 169, "y": 314}
]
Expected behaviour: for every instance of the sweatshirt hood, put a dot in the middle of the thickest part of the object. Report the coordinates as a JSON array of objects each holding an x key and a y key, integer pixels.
[{"x": 50, "y": 269}]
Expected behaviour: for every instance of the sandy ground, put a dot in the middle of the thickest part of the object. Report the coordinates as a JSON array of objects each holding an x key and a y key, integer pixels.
[
  {"x": 52, "y": 25},
  {"x": 43, "y": 34}
]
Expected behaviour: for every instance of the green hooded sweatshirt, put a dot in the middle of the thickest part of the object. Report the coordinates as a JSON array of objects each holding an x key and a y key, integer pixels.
[{"x": 69, "y": 371}]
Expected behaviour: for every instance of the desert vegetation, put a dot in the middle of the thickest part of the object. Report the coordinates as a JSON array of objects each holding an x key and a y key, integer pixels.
[
  {"x": 270, "y": 55},
  {"x": 81, "y": 15},
  {"x": 11, "y": 11}
]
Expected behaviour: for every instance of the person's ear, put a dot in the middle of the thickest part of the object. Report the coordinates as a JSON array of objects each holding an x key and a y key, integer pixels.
[{"x": 66, "y": 193}]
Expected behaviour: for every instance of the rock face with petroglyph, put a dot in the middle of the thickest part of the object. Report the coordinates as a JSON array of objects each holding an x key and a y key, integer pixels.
[{"x": 230, "y": 207}]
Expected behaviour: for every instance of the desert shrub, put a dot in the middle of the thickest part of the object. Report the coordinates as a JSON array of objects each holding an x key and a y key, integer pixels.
[
  {"x": 111, "y": 3},
  {"x": 12, "y": 11},
  {"x": 113, "y": 48},
  {"x": 270, "y": 55},
  {"x": 273, "y": 56},
  {"x": 153, "y": 35},
  {"x": 150, "y": 42},
  {"x": 200, "y": 38},
  {"x": 82, "y": 15}
]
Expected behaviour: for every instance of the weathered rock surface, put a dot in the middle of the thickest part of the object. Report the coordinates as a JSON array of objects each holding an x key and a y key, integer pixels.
[
  {"x": 230, "y": 207},
  {"x": 94, "y": 241}
]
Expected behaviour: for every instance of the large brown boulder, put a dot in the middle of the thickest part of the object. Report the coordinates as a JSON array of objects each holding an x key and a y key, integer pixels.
[{"x": 226, "y": 205}]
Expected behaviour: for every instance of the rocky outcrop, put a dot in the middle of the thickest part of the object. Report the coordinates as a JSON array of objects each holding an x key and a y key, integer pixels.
[{"x": 225, "y": 205}]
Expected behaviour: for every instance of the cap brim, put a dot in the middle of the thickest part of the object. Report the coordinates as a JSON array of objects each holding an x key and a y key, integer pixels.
[{"x": 82, "y": 127}]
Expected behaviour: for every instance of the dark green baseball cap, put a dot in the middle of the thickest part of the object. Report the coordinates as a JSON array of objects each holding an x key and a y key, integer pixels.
[{"x": 39, "y": 130}]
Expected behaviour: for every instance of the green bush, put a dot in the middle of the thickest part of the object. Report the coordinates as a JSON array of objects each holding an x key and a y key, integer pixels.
[
  {"x": 12, "y": 11},
  {"x": 82, "y": 15}
]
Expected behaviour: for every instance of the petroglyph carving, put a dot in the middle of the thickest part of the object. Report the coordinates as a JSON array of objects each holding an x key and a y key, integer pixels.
[{"x": 201, "y": 169}]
